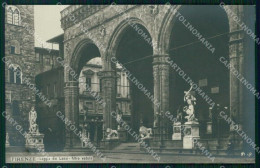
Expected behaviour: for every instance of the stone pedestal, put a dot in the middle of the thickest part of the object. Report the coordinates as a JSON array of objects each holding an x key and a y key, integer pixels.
[
  {"x": 35, "y": 142},
  {"x": 191, "y": 132},
  {"x": 122, "y": 135},
  {"x": 109, "y": 144},
  {"x": 176, "y": 131}
]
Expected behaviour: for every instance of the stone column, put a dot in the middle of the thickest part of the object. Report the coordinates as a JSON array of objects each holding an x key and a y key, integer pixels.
[
  {"x": 236, "y": 60},
  {"x": 161, "y": 94},
  {"x": 71, "y": 92},
  {"x": 236, "y": 56},
  {"x": 108, "y": 79}
]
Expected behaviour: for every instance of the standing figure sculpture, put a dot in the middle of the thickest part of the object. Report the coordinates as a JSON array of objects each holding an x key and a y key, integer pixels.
[
  {"x": 33, "y": 127},
  {"x": 189, "y": 108}
]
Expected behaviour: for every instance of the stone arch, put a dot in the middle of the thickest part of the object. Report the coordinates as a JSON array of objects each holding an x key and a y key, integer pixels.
[
  {"x": 118, "y": 34},
  {"x": 76, "y": 54},
  {"x": 169, "y": 22}
]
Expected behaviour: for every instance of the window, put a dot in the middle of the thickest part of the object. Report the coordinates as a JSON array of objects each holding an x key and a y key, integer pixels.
[
  {"x": 47, "y": 61},
  {"x": 16, "y": 17},
  {"x": 13, "y": 15},
  {"x": 88, "y": 82},
  {"x": 12, "y": 49},
  {"x": 118, "y": 83},
  {"x": 11, "y": 75},
  {"x": 41, "y": 58},
  {"x": 15, "y": 47},
  {"x": 18, "y": 75},
  {"x": 9, "y": 16},
  {"x": 15, "y": 74},
  {"x": 37, "y": 57},
  {"x": 8, "y": 96}
]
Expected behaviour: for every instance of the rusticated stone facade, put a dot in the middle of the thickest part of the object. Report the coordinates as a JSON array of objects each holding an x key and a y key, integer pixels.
[{"x": 19, "y": 54}]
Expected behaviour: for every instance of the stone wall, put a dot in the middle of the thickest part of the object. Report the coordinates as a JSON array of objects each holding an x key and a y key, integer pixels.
[{"x": 21, "y": 93}]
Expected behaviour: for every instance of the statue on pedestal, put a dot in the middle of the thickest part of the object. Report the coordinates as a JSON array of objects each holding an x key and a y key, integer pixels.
[
  {"x": 189, "y": 109},
  {"x": 35, "y": 139},
  {"x": 33, "y": 127}
]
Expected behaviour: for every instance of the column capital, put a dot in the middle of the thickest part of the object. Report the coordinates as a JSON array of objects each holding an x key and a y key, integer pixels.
[
  {"x": 71, "y": 84},
  {"x": 236, "y": 36},
  {"x": 160, "y": 59}
]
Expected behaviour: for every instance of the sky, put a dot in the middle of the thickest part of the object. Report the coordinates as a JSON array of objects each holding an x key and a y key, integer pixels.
[{"x": 47, "y": 23}]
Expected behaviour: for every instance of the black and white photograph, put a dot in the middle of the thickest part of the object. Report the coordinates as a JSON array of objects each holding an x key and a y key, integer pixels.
[{"x": 141, "y": 83}]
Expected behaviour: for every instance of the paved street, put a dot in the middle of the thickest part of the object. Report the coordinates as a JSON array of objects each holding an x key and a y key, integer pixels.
[{"x": 134, "y": 158}]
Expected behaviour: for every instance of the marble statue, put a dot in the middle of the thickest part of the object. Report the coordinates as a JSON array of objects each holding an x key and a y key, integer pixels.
[
  {"x": 35, "y": 139},
  {"x": 145, "y": 132},
  {"x": 118, "y": 117},
  {"x": 33, "y": 127},
  {"x": 189, "y": 108},
  {"x": 112, "y": 134}
]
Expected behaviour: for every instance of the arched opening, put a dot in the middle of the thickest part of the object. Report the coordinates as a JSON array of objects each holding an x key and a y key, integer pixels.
[
  {"x": 90, "y": 110},
  {"x": 135, "y": 54},
  {"x": 88, "y": 65},
  {"x": 200, "y": 62}
]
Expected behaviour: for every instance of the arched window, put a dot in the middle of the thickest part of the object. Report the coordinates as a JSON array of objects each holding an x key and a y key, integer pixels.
[
  {"x": 18, "y": 75},
  {"x": 16, "y": 15},
  {"x": 10, "y": 16},
  {"x": 13, "y": 15},
  {"x": 11, "y": 74},
  {"x": 15, "y": 47},
  {"x": 15, "y": 74}
]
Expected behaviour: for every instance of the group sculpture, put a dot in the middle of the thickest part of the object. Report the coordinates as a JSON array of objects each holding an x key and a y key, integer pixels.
[
  {"x": 34, "y": 140},
  {"x": 33, "y": 127},
  {"x": 189, "y": 108},
  {"x": 186, "y": 126}
]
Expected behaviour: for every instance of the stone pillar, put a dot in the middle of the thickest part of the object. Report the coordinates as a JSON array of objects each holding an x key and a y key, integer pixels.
[
  {"x": 71, "y": 92},
  {"x": 161, "y": 94},
  {"x": 236, "y": 56},
  {"x": 108, "y": 79},
  {"x": 236, "y": 60}
]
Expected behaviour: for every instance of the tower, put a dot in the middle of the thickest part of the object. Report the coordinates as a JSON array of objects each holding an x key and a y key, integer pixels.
[{"x": 19, "y": 70}]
